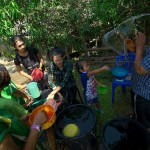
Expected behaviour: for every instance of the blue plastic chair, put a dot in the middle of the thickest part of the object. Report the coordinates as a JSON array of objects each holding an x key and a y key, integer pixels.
[{"x": 127, "y": 62}]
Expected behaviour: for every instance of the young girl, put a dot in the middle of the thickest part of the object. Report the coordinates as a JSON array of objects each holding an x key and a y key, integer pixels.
[
  {"x": 60, "y": 73},
  {"x": 89, "y": 82}
]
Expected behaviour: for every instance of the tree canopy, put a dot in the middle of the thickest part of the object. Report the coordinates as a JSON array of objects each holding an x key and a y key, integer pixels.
[{"x": 66, "y": 23}]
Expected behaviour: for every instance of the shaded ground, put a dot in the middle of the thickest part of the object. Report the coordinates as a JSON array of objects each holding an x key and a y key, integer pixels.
[{"x": 15, "y": 76}]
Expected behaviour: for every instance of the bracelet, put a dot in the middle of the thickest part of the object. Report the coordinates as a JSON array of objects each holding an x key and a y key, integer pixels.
[{"x": 37, "y": 127}]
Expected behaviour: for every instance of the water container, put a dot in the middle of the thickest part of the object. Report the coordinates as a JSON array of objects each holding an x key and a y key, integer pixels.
[
  {"x": 85, "y": 119},
  {"x": 125, "y": 134},
  {"x": 33, "y": 89}
]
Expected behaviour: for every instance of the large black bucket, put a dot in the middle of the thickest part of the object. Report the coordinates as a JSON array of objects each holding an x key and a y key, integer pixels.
[
  {"x": 85, "y": 119},
  {"x": 125, "y": 134}
]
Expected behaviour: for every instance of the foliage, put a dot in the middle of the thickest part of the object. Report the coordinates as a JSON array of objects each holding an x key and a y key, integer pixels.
[
  {"x": 6, "y": 53},
  {"x": 66, "y": 23}
]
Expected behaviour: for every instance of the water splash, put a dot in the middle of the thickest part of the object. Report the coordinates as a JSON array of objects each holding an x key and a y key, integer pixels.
[{"x": 115, "y": 39}]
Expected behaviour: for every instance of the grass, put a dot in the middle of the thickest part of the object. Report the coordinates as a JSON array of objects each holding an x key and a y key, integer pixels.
[{"x": 121, "y": 108}]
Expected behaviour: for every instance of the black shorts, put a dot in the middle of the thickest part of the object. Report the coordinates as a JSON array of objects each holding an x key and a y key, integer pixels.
[{"x": 142, "y": 110}]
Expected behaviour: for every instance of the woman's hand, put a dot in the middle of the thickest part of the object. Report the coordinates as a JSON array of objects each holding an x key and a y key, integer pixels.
[
  {"x": 28, "y": 102},
  {"x": 57, "y": 88},
  {"x": 30, "y": 77},
  {"x": 40, "y": 68},
  {"x": 25, "y": 119},
  {"x": 21, "y": 87},
  {"x": 99, "y": 84},
  {"x": 52, "y": 94},
  {"x": 40, "y": 118}
]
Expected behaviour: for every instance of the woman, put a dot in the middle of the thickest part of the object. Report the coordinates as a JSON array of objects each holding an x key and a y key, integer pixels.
[
  {"x": 30, "y": 58},
  {"x": 60, "y": 74}
]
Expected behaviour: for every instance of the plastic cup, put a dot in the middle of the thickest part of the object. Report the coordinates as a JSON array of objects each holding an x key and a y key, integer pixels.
[{"x": 33, "y": 90}]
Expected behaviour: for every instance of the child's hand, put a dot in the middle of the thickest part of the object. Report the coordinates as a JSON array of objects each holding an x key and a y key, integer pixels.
[
  {"x": 99, "y": 84},
  {"x": 105, "y": 68}
]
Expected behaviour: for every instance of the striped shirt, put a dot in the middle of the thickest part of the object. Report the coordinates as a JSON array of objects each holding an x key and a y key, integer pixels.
[{"x": 141, "y": 83}]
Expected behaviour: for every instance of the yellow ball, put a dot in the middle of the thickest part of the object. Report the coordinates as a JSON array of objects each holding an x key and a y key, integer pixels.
[{"x": 71, "y": 130}]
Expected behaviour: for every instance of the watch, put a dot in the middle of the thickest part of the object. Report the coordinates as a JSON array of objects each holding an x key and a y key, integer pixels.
[{"x": 37, "y": 127}]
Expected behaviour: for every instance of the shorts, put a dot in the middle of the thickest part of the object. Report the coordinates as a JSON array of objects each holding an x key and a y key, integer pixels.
[{"x": 142, "y": 110}]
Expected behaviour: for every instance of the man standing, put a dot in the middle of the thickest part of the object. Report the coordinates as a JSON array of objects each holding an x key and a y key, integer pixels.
[{"x": 141, "y": 81}]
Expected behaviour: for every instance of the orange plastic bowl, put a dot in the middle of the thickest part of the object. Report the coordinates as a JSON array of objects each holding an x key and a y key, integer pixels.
[{"x": 50, "y": 115}]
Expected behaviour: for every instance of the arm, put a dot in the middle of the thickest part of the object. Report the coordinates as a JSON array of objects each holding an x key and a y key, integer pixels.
[
  {"x": 39, "y": 56},
  {"x": 97, "y": 71},
  {"x": 19, "y": 86},
  {"x": 31, "y": 140},
  {"x": 8, "y": 143},
  {"x": 140, "y": 43},
  {"x": 19, "y": 69},
  {"x": 98, "y": 83},
  {"x": 30, "y": 144},
  {"x": 20, "y": 93},
  {"x": 33, "y": 135}
]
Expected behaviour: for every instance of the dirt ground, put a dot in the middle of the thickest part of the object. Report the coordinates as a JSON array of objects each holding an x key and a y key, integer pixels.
[{"x": 15, "y": 76}]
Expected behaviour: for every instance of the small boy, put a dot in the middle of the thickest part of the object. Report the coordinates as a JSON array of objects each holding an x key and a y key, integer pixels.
[{"x": 89, "y": 82}]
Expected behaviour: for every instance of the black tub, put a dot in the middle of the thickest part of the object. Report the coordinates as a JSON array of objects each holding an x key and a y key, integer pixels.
[
  {"x": 85, "y": 119},
  {"x": 125, "y": 134}
]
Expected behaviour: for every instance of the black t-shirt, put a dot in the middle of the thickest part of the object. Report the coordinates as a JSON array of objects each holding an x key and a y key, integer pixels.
[{"x": 30, "y": 61}]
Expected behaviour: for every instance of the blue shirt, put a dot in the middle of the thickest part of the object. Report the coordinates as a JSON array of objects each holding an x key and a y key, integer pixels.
[{"x": 141, "y": 83}]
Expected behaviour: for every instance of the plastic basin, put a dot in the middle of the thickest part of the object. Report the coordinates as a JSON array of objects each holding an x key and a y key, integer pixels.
[
  {"x": 50, "y": 115},
  {"x": 119, "y": 72}
]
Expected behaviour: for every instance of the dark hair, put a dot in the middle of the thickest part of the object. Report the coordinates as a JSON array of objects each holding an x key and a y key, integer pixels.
[
  {"x": 4, "y": 76},
  {"x": 79, "y": 65},
  {"x": 15, "y": 38},
  {"x": 55, "y": 51}
]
